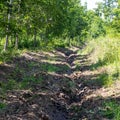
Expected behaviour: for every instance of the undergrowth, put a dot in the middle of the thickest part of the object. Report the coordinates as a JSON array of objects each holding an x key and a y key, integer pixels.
[
  {"x": 28, "y": 45},
  {"x": 6, "y": 56}
]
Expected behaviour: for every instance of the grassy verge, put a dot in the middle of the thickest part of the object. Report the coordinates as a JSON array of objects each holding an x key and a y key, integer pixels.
[
  {"x": 105, "y": 53},
  {"x": 111, "y": 110},
  {"x": 27, "y": 45}
]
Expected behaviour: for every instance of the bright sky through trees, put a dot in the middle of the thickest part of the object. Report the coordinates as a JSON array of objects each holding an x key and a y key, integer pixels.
[{"x": 91, "y": 3}]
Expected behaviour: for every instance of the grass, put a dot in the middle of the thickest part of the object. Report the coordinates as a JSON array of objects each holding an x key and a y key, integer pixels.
[
  {"x": 105, "y": 79},
  {"x": 105, "y": 53},
  {"x": 28, "y": 81},
  {"x": 26, "y": 45},
  {"x": 24, "y": 84},
  {"x": 53, "y": 68},
  {"x": 111, "y": 110},
  {"x": 9, "y": 85},
  {"x": 8, "y": 55},
  {"x": 2, "y": 106}
]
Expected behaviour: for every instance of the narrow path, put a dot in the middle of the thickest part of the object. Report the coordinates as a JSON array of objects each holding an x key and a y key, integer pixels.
[{"x": 56, "y": 85}]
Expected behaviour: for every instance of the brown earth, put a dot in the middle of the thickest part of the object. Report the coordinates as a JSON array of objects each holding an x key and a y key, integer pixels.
[{"x": 66, "y": 87}]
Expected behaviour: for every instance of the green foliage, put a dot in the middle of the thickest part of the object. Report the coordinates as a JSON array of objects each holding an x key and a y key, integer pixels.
[
  {"x": 28, "y": 43},
  {"x": 116, "y": 20},
  {"x": 61, "y": 19},
  {"x": 46, "y": 25},
  {"x": 105, "y": 52},
  {"x": 96, "y": 25},
  {"x": 71, "y": 84},
  {"x": 57, "y": 42},
  {"x": 9, "y": 85},
  {"x": 111, "y": 110},
  {"x": 8, "y": 55},
  {"x": 2, "y": 106},
  {"x": 53, "y": 68},
  {"x": 105, "y": 79},
  {"x": 28, "y": 81}
]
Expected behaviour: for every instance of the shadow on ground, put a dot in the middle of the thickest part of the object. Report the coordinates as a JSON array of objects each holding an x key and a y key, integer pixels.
[{"x": 55, "y": 85}]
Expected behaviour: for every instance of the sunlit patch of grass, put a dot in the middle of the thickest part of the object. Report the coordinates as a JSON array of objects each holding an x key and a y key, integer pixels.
[
  {"x": 57, "y": 42},
  {"x": 111, "y": 110},
  {"x": 105, "y": 79},
  {"x": 105, "y": 52},
  {"x": 8, "y": 55},
  {"x": 24, "y": 50},
  {"x": 104, "y": 49}
]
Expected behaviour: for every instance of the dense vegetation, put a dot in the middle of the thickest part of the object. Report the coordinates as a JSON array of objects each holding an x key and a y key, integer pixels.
[
  {"x": 35, "y": 25},
  {"x": 26, "y": 24},
  {"x": 47, "y": 24}
]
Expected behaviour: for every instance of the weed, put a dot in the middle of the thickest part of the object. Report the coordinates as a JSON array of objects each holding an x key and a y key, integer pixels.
[
  {"x": 49, "y": 68},
  {"x": 28, "y": 81},
  {"x": 105, "y": 79},
  {"x": 52, "y": 68},
  {"x": 2, "y": 106},
  {"x": 32, "y": 64},
  {"x": 9, "y": 85},
  {"x": 71, "y": 84},
  {"x": 111, "y": 110},
  {"x": 8, "y": 55}
]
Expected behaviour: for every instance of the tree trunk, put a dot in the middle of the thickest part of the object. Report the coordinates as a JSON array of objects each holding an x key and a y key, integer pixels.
[
  {"x": 16, "y": 42},
  {"x": 6, "y": 43},
  {"x": 7, "y": 29},
  {"x": 35, "y": 34},
  {"x": 69, "y": 41},
  {"x": 16, "y": 35}
]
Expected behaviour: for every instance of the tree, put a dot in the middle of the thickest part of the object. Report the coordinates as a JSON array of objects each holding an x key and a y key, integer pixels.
[
  {"x": 9, "y": 11},
  {"x": 116, "y": 20},
  {"x": 95, "y": 24},
  {"x": 108, "y": 7}
]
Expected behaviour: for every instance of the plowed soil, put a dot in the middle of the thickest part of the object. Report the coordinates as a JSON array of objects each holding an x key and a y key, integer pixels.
[{"x": 58, "y": 85}]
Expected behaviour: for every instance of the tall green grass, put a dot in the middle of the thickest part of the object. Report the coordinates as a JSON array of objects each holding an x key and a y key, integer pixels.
[{"x": 105, "y": 52}]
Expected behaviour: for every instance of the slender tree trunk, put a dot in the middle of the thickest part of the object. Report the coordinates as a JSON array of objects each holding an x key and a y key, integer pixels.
[
  {"x": 69, "y": 41},
  {"x": 6, "y": 42},
  {"x": 78, "y": 41},
  {"x": 7, "y": 29},
  {"x": 16, "y": 36},
  {"x": 28, "y": 32},
  {"x": 16, "y": 41},
  {"x": 35, "y": 34}
]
